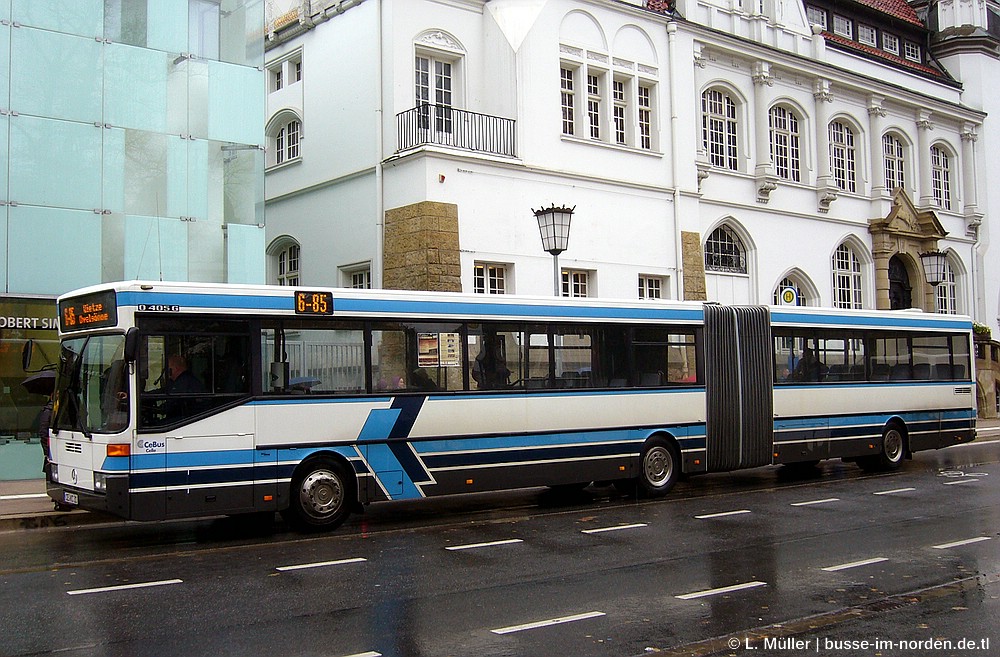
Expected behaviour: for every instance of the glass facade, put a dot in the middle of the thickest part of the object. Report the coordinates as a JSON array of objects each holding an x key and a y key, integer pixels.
[
  {"x": 132, "y": 136},
  {"x": 132, "y": 132}
]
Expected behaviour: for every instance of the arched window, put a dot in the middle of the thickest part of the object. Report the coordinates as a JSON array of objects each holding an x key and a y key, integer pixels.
[
  {"x": 288, "y": 265},
  {"x": 946, "y": 293},
  {"x": 941, "y": 177},
  {"x": 724, "y": 251},
  {"x": 843, "y": 156},
  {"x": 846, "y": 278},
  {"x": 790, "y": 284},
  {"x": 284, "y": 135},
  {"x": 892, "y": 153},
  {"x": 718, "y": 129},
  {"x": 785, "y": 143}
]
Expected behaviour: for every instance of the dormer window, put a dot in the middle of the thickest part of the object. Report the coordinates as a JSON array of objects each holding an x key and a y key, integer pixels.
[
  {"x": 816, "y": 16},
  {"x": 866, "y": 35},
  {"x": 890, "y": 44},
  {"x": 842, "y": 26},
  {"x": 911, "y": 51}
]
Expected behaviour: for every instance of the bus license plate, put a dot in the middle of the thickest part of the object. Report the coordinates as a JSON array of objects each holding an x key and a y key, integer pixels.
[{"x": 71, "y": 498}]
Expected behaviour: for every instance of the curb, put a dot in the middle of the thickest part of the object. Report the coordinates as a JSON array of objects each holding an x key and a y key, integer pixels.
[{"x": 55, "y": 519}]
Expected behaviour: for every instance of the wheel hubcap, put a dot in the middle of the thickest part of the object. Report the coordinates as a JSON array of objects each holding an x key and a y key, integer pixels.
[
  {"x": 893, "y": 445},
  {"x": 321, "y": 493},
  {"x": 658, "y": 465}
]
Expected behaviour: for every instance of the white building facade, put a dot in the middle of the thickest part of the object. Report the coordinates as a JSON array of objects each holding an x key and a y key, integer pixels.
[{"x": 711, "y": 149}]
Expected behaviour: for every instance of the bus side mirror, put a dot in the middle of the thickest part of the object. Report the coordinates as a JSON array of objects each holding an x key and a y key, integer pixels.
[
  {"x": 131, "y": 345},
  {"x": 26, "y": 351}
]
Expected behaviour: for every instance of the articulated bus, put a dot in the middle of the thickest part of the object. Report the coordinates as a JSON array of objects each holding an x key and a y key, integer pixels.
[{"x": 183, "y": 399}]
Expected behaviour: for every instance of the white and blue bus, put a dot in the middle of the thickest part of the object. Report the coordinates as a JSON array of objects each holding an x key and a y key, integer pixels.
[{"x": 184, "y": 399}]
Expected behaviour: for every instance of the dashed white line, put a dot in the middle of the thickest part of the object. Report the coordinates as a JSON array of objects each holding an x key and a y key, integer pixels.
[
  {"x": 855, "y": 564},
  {"x": 321, "y": 564},
  {"x": 963, "y": 480},
  {"x": 968, "y": 541},
  {"x": 724, "y": 513},
  {"x": 894, "y": 491},
  {"x": 370, "y": 653},
  {"x": 601, "y": 530},
  {"x": 474, "y": 546},
  {"x": 811, "y": 502},
  {"x": 22, "y": 496},
  {"x": 719, "y": 591},
  {"x": 547, "y": 623},
  {"x": 123, "y": 587}
]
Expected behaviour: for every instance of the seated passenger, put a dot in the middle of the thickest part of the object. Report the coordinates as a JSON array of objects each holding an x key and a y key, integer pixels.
[{"x": 809, "y": 368}]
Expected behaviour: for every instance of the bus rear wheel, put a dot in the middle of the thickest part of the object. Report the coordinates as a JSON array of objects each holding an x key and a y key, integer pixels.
[
  {"x": 660, "y": 467},
  {"x": 890, "y": 457},
  {"x": 320, "y": 496}
]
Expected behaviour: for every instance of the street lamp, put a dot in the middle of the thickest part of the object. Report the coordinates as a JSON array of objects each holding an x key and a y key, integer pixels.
[
  {"x": 934, "y": 264},
  {"x": 553, "y": 226}
]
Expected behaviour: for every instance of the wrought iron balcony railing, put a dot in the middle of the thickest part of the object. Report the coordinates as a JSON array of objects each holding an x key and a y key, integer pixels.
[{"x": 447, "y": 126}]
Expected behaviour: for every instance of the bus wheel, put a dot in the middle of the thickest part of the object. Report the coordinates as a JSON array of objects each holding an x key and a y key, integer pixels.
[
  {"x": 893, "y": 450},
  {"x": 320, "y": 496},
  {"x": 661, "y": 465}
]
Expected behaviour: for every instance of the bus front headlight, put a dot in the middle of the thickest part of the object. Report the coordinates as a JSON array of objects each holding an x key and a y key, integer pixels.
[{"x": 100, "y": 482}]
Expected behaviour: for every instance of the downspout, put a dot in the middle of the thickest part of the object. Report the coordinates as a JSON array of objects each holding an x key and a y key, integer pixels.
[
  {"x": 675, "y": 160},
  {"x": 376, "y": 268}
]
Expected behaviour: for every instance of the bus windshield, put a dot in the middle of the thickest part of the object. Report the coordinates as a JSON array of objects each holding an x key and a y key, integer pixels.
[{"x": 92, "y": 393}]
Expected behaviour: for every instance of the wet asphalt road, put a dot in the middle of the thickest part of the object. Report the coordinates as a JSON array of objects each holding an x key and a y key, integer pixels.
[{"x": 812, "y": 562}]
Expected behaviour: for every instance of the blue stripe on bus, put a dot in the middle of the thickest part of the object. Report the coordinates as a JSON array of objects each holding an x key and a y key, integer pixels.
[
  {"x": 883, "y": 321},
  {"x": 197, "y": 300}
]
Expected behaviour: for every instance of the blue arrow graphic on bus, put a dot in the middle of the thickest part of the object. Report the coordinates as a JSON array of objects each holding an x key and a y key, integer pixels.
[{"x": 390, "y": 457}]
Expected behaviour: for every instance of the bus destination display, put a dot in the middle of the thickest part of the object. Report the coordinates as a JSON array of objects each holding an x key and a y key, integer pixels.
[
  {"x": 313, "y": 303},
  {"x": 98, "y": 310}
]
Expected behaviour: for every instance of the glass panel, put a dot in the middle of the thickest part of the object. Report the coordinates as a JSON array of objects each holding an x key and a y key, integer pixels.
[
  {"x": 81, "y": 17},
  {"x": 135, "y": 88},
  {"x": 243, "y": 177},
  {"x": 205, "y": 254},
  {"x": 538, "y": 370},
  {"x": 327, "y": 359},
  {"x": 56, "y": 75},
  {"x": 47, "y": 150},
  {"x": 417, "y": 357},
  {"x": 573, "y": 353},
  {"x": 93, "y": 385},
  {"x": 4, "y": 56},
  {"x": 155, "y": 248},
  {"x": 496, "y": 356},
  {"x": 167, "y": 25},
  {"x": 204, "y": 178},
  {"x": 4, "y": 250},
  {"x": 113, "y": 247},
  {"x": 76, "y": 234},
  {"x": 235, "y": 103},
  {"x": 245, "y": 254},
  {"x": 176, "y": 178},
  {"x": 203, "y": 28},
  {"x": 240, "y": 32}
]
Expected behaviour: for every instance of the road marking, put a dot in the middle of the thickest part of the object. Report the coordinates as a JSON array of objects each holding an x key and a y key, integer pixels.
[
  {"x": 855, "y": 564},
  {"x": 945, "y": 546},
  {"x": 724, "y": 589},
  {"x": 321, "y": 564},
  {"x": 724, "y": 513},
  {"x": 829, "y": 499},
  {"x": 23, "y": 496},
  {"x": 600, "y": 530},
  {"x": 894, "y": 491},
  {"x": 370, "y": 653},
  {"x": 473, "y": 546},
  {"x": 123, "y": 587},
  {"x": 963, "y": 480},
  {"x": 547, "y": 623}
]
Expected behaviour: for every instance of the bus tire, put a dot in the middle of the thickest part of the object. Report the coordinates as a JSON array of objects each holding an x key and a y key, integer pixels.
[
  {"x": 659, "y": 467},
  {"x": 892, "y": 453},
  {"x": 320, "y": 496}
]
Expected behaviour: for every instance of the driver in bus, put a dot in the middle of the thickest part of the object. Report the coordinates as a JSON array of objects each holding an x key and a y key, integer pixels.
[{"x": 180, "y": 378}]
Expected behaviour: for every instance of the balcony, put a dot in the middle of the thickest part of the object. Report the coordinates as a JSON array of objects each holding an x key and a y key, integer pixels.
[{"x": 446, "y": 126}]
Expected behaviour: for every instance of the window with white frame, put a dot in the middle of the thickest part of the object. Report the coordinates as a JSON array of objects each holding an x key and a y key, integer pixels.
[
  {"x": 724, "y": 252},
  {"x": 278, "y": 78},
  {"x": 288, "y": 265},
  {"x": 790, "y": 284},
  {"x": 785, "y": 143},
  {"x": 846, "y": 278},
  {"x": 911, "y": 51},
  {"x": 718, "y": 129},
  {"x": 567, "y": 79},
  {"x": 866, "y": 35},
  {"x": 285, "y": 72},
  {"x": 489, "y": 278},
  {"x": 651, "y": 287},
  {"x": 284, "y": 141},
  {"x": 433, "y": 91},
  {"x": 892, "y": 153},
  {"x": 645, "y": 117},
  {"x": 594, "y": 83},
  {"x": 941, "y": 177},
  {"x": 842, "y": 25},
  {"x": 816, "y": 16},
  {"x": 946, "y": 293},
  {"x": 575, "y": 283},
  {"x": 620, "y": 110},
  {"x": 890, "y": 43},
  {"x": 843, "y": 156},
  {"x": 361, "y": 279}
]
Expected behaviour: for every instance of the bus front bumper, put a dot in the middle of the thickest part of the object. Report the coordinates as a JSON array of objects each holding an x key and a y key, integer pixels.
[{"x": 114, "y": 500}]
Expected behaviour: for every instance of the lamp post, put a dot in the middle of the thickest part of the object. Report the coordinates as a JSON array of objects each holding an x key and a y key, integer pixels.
[
  {"x": 934, "y": 264},
  {"x": 553, "y": 226}
]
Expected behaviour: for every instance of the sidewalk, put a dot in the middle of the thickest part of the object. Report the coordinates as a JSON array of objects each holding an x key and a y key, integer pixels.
[{"x": 24, "y": 504}]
